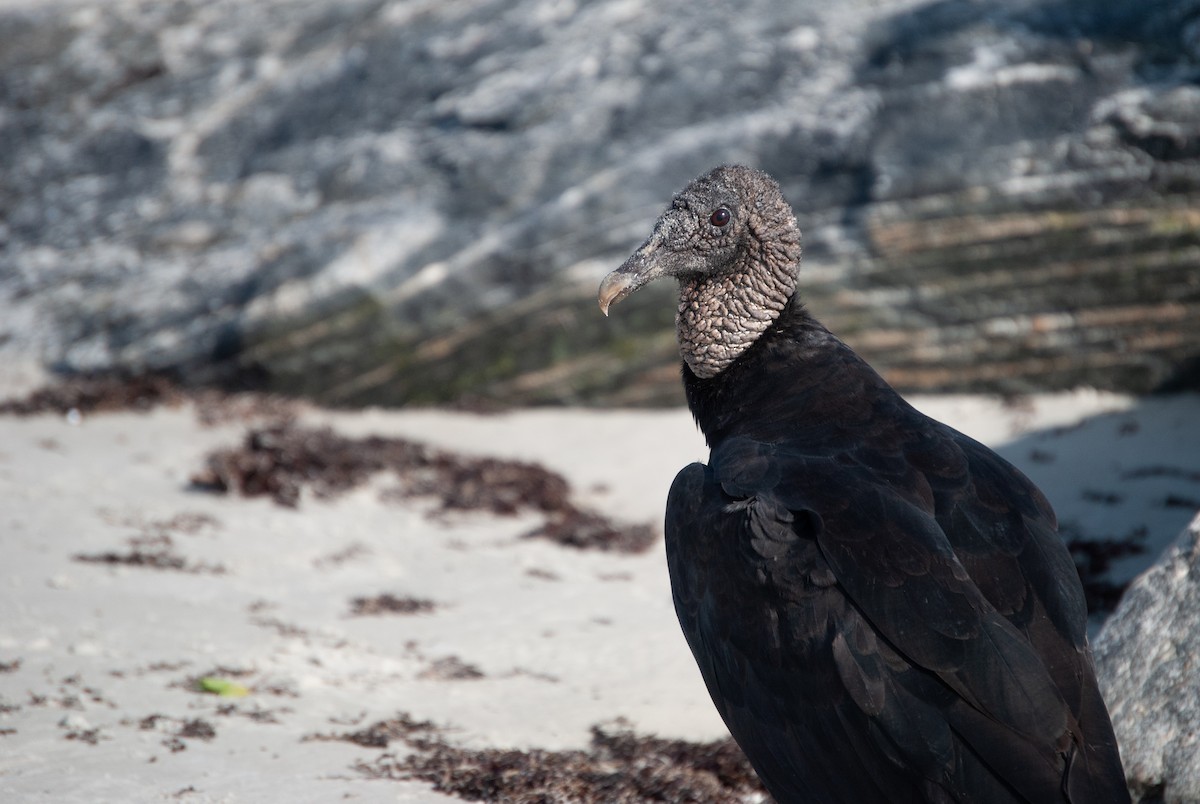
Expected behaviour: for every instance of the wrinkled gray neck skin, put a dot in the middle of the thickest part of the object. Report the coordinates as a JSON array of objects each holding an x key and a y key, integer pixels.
[{"x": 720, "y": 316}]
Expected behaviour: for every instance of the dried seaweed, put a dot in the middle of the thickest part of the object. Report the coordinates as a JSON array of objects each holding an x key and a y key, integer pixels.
[
  {"x": 1180, "y": 501},
  {"x": 97, "y": 394},
  {"x": 619, "y": 767},
  {"x": 88, "y": 736},
  {"x": 279, "y": 460},
  {"x": 197, "y": 729},
  {"x": 1094, "y": 559},
  {"x": 282, "y": 459},
  {"x": 451, "y": 668},
  {"x": 390, "y": 604},
  {"x": 589, "y": 530},
  {"x": 83, "y": 394},
  {"x": 402, "y": 728},
  {"x": 149, "y": 559}
]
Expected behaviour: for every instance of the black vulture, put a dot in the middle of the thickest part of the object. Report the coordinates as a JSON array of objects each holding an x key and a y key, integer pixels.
[{"x": 881, "y": 607}]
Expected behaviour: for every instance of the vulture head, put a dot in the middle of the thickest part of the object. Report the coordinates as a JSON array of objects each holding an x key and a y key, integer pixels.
[{"x": 732, "y": 242}]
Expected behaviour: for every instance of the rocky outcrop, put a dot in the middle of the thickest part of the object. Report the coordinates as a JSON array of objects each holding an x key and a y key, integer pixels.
[
  {"x": 1148, "y": 658},
  {"x": 412, "y": 201}
]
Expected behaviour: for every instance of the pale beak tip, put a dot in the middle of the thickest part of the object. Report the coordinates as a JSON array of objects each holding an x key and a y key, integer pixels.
[{"x": 617, "y": 285}]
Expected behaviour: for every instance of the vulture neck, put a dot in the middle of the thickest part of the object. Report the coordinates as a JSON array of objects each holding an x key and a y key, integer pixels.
[
  {"x": 721, "y": 316},
  {"x": 796, "y": 380}
]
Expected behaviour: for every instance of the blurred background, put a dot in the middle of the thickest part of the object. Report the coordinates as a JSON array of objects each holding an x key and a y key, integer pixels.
[{"x": 369, "y": 202}]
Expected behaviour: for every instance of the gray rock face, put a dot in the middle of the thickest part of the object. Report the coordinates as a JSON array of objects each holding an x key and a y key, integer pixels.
[
  {"x": 413, "y": 200},
  {"x": 1148, "y": 660}
]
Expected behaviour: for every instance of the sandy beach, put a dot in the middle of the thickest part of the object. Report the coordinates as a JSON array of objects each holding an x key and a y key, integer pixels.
[{"x": 505, "y": 641}]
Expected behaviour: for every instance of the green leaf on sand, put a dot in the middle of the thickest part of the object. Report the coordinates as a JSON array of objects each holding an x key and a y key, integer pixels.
[{"x": 222, "y": 686}]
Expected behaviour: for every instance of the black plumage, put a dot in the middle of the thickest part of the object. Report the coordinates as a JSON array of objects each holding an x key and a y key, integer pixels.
[{"x": 881, "y": 607}]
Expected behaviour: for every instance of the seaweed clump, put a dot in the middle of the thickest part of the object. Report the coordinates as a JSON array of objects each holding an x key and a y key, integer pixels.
[{"x": 282, "y": 459}]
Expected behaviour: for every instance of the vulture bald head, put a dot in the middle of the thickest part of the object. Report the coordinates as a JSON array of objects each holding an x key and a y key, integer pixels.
[{"x": 732, "y": 242}]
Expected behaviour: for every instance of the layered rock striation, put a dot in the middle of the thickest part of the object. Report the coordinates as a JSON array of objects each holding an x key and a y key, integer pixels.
[{"x": 409, "y": 201}]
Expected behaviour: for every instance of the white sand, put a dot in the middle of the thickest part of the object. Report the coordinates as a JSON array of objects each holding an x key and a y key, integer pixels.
[{"x": 586, "y": 638}]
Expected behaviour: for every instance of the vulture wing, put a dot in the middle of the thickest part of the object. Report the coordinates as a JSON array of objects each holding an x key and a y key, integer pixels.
[{"x": 888, "y": 624}]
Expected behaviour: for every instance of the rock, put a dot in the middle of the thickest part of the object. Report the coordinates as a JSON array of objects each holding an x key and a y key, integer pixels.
[
  {"x": 1148, "y": 662},
  {"x": 369, "y": 201}
]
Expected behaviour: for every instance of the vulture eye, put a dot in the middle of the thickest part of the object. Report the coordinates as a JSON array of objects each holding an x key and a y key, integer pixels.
[{"x": 720, "y": 217}]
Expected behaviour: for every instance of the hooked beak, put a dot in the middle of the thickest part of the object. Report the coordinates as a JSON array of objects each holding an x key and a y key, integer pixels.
[{"x": 644, "y": 266}]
